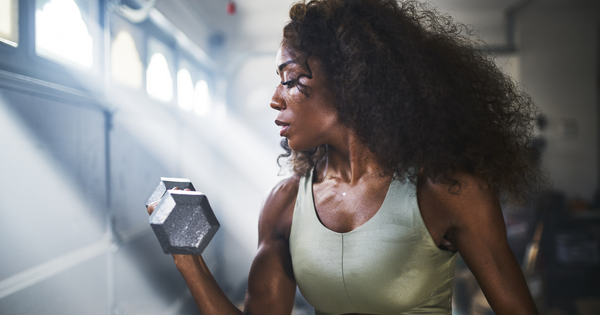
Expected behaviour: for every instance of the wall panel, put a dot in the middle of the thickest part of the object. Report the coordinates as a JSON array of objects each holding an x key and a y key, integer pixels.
[{"x": 53, "y": 185}]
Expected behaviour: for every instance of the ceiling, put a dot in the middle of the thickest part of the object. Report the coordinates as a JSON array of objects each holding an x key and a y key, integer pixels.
[{"x": 257, "y": 24}]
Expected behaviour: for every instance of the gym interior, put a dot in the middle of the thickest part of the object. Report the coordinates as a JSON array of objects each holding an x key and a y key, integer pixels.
[{"x": 101, "y": 98}]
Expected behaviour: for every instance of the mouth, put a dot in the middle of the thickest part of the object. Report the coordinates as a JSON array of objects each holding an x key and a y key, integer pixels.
[{"x": 284, "y": 127}]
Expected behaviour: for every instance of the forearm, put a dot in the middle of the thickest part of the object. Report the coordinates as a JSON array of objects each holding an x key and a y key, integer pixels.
[
  {"x": 207, "y": 294},
  {"x": 506, "y": 277}
]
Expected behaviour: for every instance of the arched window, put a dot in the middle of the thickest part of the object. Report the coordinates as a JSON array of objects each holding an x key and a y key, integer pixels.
[
  {"x": 126, "y": 66},
  {"x": 202, "y": 104},
  {"x": 159, "y": 83},
  {"x": 185, "y": 89},
  {"x": 9, "y": 22},
  {"x": 61, "y": 33}
]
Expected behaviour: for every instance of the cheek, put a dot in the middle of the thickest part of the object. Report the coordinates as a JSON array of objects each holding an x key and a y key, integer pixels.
[
  {"x": 298, "y": 108},
  {"x": 294, "y": 95}
]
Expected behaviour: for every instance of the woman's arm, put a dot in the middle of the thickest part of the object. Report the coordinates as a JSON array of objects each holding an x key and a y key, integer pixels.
[
  {"x": 477, "y": 230},
  {"x": 207, "y": 294},
  {"x": 271, "y": 285}
]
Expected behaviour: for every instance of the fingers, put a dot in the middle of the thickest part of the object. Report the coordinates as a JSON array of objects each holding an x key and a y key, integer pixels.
[
  {"x": 177, "y": 188},
  {"x": 153, "y": 205}
]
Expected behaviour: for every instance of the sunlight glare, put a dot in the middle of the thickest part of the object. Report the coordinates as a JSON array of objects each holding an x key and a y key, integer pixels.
[
  {"x": 185, "y": 89},
  {"x": 201, "y": 98},
  {"x": 9, "y": 17},
  {"x": 159, "y": 83},
  {"x": 62, "y": 35},
  {"x": 126, "y": 66}
]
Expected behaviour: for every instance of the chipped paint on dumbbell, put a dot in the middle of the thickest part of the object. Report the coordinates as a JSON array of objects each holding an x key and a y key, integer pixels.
[
  {"x": 184, "y": 222},
  {"x": 168, "y": 183}
]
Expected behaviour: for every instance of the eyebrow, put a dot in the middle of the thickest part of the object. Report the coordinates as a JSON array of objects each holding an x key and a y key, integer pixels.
[{"x": 285, "y": 64}]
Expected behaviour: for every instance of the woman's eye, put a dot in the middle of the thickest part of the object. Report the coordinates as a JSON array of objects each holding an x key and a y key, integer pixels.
[{"x": 289, "y": 83}]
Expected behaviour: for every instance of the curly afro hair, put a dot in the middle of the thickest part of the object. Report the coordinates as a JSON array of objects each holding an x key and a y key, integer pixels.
[{"x": 420, "y": 91}]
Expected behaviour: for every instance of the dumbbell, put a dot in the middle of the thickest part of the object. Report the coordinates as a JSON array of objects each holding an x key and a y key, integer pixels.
[{"x": 183, "y": 220}]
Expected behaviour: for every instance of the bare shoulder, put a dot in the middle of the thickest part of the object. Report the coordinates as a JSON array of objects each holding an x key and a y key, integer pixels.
[
  {"x": 470, "y": 201},
  {"x": 282, "y": 195},
  {"x": 278, "y": 207},
  {"x": 285, "y": 189}
]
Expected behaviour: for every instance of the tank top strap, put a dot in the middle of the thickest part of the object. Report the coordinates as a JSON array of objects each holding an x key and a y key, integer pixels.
[{"x": 304, "y": 199}]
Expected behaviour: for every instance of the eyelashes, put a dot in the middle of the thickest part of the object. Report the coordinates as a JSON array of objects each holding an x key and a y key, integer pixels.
[
  {"x": 289, "y": 83},
  {"x": 296, "y": 83}
]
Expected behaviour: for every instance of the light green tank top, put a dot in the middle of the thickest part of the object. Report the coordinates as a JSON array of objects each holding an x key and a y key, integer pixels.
[{"x": 389, "y": 265}]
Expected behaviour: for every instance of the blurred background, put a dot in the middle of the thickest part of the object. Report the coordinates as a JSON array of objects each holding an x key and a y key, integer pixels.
[{"x": 100, "y": 98}]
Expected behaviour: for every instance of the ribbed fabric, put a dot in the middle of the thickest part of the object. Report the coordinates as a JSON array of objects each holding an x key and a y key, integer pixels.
[{"x": 389, "y": 265}]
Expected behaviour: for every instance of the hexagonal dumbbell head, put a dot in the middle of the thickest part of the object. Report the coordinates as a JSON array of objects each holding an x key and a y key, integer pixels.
[
  {"x": 184, "y": 222},
  {"x": 167, "y": 183}
]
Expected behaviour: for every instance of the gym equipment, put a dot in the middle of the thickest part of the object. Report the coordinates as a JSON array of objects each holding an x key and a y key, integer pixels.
[
  {"x": 183, "y": 221},
  {"x": 168, "y": 183}
]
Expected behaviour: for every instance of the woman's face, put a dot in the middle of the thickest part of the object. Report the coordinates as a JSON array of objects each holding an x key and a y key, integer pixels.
[{"x": 306, "y": 120}]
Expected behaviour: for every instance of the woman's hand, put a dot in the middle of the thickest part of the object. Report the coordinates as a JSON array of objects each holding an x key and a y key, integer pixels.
[
  {"x": 209, "y": 297},
  {"x": 153, "y": 205}
]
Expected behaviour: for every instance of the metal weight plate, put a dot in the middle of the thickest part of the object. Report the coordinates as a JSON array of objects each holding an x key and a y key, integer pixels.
[
  {"x": 167, "y": 183},
  {"x": 184, "y": 222}
]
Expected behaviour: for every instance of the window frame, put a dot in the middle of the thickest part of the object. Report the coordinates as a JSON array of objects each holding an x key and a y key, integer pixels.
[
  {"x": 96, "y": 68},
  {"x": 117, "y": 25},
  {"x": 23, "y": 60},
  {"x": 4, "y": 44}
]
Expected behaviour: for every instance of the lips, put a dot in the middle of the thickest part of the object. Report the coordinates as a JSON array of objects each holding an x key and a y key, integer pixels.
[{"x": 284, "y": 127}]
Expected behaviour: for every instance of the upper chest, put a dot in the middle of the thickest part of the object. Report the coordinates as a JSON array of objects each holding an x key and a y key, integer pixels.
[{"x": 343, "y": 207}]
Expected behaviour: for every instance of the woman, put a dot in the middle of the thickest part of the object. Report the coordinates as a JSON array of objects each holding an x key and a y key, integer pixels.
[{"x": 403, "y": 138}]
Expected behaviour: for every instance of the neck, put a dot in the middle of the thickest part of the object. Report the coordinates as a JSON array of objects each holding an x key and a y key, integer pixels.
[{"x": 349, "y": 161}]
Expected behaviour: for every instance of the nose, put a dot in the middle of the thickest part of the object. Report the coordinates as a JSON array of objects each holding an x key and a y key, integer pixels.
[{"x": 277, "y": 102}]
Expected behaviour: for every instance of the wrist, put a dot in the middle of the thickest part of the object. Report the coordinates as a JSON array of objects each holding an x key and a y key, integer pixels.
[{"x": 183, "y": 262}]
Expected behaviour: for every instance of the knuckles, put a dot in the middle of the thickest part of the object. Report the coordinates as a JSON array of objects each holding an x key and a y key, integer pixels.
[{"x": 153, "y": 205}]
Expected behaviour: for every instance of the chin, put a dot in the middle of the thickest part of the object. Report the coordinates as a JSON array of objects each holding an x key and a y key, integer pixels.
[{"x": 295, "y": 146}]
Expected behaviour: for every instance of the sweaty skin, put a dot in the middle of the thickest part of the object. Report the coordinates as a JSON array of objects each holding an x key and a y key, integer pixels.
[{"x": 348, "y": 191}]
